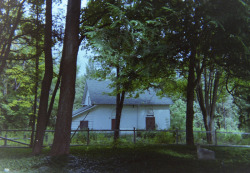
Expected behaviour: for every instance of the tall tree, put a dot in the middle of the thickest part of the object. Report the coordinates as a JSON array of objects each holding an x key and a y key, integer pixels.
[
  {"x": 43, "y": 117},
  {"x": 202, "y": 37},
  {"x": 20, "y": 45},
  {"x": 234, "y": 46},
  {"x": 207, "y": 101},
  {"x": 119, "y": 39},
  {"x": 11, "y": 15},
  {"x": 61, "y": 141},
  {"x": 185, "y": 32},
  {"x": 38, "y": 54}
]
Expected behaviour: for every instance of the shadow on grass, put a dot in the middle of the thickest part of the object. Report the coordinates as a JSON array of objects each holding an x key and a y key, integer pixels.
[
  {"x": 170, "y": 158},
  {"x": 133, "y": 158}
]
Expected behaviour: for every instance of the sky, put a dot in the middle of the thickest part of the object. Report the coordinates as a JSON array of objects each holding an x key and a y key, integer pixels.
[{"x": 83, "y": 54}]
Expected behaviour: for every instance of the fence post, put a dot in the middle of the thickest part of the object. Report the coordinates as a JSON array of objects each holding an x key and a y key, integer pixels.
[
  {"x": 5, "y": 140},
  {"x": 176, "y": 137},
  {"x": 215, "y": 136},
  {"x": 134, "y": 136},
  {"x": 88, "y": 136}
]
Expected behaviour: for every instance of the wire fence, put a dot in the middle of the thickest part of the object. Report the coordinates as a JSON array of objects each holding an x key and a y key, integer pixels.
[{"x": 21, "y": 138}]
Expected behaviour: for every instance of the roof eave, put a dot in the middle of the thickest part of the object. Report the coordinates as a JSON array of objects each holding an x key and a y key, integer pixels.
[{"x": 85, "y": 110}]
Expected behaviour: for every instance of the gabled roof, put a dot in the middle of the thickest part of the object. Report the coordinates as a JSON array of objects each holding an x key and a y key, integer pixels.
[
  {"x": 82, "y": 110},
  {"x": 98, "y": 95}
]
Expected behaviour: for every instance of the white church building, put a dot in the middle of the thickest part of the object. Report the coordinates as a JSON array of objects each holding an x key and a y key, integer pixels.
[{"x": 148, "y": 111}]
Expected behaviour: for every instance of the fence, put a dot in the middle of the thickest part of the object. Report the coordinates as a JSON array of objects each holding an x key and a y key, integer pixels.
[{"x": 21, "y": 138}]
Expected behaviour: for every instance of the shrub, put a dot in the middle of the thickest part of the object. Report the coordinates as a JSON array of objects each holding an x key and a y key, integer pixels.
[
  {"x": 80, "y": 138},
  {"x": 229, "y": 138},
  {"x": 164, "y": 138},
  {"x": 200, "y": 138},
  {"x": 245, "y": 141}
]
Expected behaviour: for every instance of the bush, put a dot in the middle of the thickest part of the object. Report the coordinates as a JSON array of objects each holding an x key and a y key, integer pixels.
[
  {"x": 80, "y": 138},
  {"x": 245, "y": 141},
  {"x": 94, "y": 138},
  {"x": 165, "y": 138},
  {"x": 200, "y": 138},
  {"x": 155, "y": 137},
  {"x": 229, "y": 138},
  {"x": 146, "y": 134}
]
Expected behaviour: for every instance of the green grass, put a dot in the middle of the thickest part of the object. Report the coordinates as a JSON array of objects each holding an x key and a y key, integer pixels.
[
  {"x": 132, "y": 158},
  {"x": 143, "y": 137},
  {"x": 18, "y": 159}
]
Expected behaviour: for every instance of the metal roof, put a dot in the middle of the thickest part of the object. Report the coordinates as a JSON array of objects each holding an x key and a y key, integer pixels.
[
  {"x": 98, "y": 92},
  {"x": 82, "y": 110}
]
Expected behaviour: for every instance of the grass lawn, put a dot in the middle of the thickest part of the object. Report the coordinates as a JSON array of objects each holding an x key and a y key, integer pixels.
[{"x": 134, "y": 158}]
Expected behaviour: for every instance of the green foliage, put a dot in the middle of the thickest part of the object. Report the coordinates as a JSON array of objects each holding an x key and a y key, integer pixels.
[
  {"x": 178, "y": 114},
  {"x": 80, "y": 138},
  {"x": 226, "y": 115},
  {"x": 18, "y": 77},
  {"x": 199, "y": 138},
  {"x": 79, "y": 87},
  {"x": 165, "y": 138},
  {"x": 24, "y": 137},
  {"x": 232, "y": 138},
  {"x": 17, "y": 136},
  {"x": 240, "y": 92},
  {"x": 94, "y": 138},
  {"x": 18, "y": 94},
  {"x": 125, "y": 43}
]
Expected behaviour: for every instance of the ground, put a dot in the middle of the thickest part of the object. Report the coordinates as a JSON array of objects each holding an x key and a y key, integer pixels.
[{"x": 133, "y": 158}]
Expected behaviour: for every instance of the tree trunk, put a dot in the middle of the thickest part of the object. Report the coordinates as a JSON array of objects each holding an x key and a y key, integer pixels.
[
  {"x": 203, "y": 110},
  {"x": 33, "y": 117},
  {"x": 203, "y": 102},
  {"x": 208, "y": 103},
  {"x": 190, "y": 100},
  {"x": 213, "y": 105},
  {"x": 52, "y": 100},
  {"x": 46, "y": 83},
  {"x": 61, "y": 143},
  {"x": 119, "y": 106}
]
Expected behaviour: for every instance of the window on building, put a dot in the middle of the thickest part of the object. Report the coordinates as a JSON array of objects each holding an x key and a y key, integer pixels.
[{"x": 84, "y": 125}]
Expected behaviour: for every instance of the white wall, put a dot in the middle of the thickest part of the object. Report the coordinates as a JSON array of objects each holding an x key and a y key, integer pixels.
[
  {"x": 129, "y": 118},
  {"x": 100, "y": 117},
  {"x": 87, "y": 100},
  {"x": 162, "y": 117},
  {"x": 161, "y": 114}
]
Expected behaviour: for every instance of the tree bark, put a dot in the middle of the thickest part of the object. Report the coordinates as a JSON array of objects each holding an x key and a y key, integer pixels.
[
  {"x": 213, "y": 105},
  {"x": 46, "y": 83},
  {"x": 190, "y": 100},
  {"x": 52, "y": 100},
  {"x": 33, "y": 117},
  {"x": 208, "y": 103},
  {"x": 61, "y": 143},
  {"x": 203, "y": 110},
  {"x": 119, "y": 106}
]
